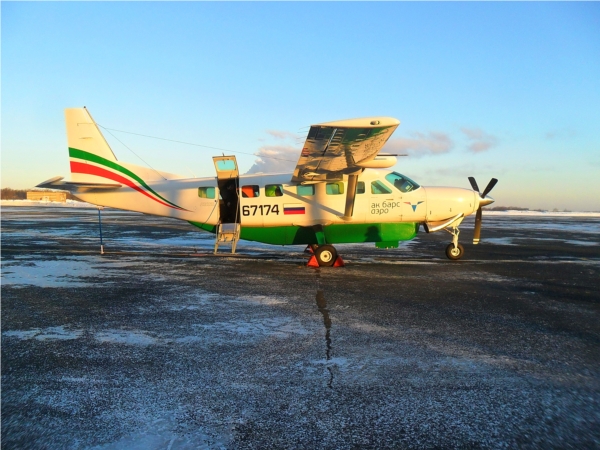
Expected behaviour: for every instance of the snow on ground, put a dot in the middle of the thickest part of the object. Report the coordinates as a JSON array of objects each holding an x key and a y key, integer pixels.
[
  {"x": 542, "y": 213},
  {"x": 67, "y": 204}
]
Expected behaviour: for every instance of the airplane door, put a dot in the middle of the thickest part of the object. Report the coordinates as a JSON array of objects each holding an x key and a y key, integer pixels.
[{"x": 228, "y": 180}]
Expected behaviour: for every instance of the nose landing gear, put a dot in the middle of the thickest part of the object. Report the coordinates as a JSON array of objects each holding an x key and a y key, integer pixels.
[{"x": 454, "y": 251}]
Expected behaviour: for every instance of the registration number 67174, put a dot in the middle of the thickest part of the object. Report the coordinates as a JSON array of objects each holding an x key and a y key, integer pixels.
[{"x": 261, "y": 210}]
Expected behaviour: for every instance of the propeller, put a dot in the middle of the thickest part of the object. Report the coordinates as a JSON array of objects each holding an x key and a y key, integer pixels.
[{"x": 483, "y": 201}]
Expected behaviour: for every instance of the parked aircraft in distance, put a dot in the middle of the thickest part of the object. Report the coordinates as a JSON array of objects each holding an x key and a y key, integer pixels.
[{"x": 341, "y": 191}]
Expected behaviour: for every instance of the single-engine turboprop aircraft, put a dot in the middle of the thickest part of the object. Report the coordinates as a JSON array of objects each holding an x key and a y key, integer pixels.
[{"x": 338, "y": 193}]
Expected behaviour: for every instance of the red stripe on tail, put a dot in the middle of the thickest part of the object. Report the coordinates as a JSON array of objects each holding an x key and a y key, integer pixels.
[{"x": 77, "y": 167}]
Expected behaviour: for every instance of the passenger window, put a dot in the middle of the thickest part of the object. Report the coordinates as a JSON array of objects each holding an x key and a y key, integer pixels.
[
  {"x": 401, "y": 182},
  {"x": 206, "y": 192},
  {"x": 274, "y": 190},
  {"x": 360, "y": 187},
  {"x": 250, "y": 190},
  {"x": 305, "y": 190},
  {"x": 377, "y": 187},
  {"x": 334, "y": 188}
]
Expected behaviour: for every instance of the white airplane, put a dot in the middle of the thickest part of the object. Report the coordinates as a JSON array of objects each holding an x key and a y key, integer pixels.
[{"x": 338, "y": 193}]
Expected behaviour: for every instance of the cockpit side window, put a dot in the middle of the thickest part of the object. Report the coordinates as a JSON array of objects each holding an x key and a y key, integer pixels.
[
  {"x": 402, "y": 183},
  {"x": 377, "y": 187}
]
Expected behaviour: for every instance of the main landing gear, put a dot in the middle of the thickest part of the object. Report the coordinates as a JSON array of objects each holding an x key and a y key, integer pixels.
[
  {"x": 324, "y": 256},
  {"x": 454, "y": 250}
]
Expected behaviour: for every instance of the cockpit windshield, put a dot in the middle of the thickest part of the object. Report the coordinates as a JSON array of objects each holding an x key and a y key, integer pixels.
[{"x": 401, "y": 182}]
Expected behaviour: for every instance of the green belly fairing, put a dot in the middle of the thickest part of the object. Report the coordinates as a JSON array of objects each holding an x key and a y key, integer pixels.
[{"x": 334, "y": 234}]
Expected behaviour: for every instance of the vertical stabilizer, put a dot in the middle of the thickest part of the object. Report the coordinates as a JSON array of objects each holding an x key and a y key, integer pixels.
[{"x": 85, "y": 141}]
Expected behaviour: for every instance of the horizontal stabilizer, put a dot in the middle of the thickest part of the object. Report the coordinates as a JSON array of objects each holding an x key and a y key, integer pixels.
[
  {"x": 75, "y": 186},
  {"x": 431, "y": 227}
]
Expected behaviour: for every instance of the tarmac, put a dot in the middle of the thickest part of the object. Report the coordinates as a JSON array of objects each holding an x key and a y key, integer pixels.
[{"x": 157, "y": 344}]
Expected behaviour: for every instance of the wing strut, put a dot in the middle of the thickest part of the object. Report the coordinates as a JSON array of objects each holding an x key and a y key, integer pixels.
[{"x": 350, "y": 196}]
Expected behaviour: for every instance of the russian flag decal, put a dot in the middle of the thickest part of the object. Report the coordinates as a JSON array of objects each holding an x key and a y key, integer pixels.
[{"x": 294, "y": 209}]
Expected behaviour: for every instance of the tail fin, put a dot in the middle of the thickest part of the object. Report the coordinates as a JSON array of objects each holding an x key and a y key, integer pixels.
[{"x": 86, "y": 142}]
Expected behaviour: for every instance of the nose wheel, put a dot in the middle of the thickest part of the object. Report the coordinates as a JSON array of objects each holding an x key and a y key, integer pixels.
[{"x": 454, "y": 251}]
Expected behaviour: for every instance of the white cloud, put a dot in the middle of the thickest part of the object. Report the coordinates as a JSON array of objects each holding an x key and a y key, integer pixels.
[
  {"x": 420, "y": 144},
  {"x": 277, "y": 134},
  {"x": 275, "y": 159},
  {"x": 479, "y": 140}
]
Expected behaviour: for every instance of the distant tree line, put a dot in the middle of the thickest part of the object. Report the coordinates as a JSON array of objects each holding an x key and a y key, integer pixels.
[
  {"x": 518, "y": 208},
  {"x": 13, "y": 194},
  {"x": 507, "y": 208},
  {"x": 21, "y": 194}
]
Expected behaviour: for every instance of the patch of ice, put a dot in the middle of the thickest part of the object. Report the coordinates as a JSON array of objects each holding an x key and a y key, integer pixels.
[
  {"x": 339, "y": 361},
  {"x": 510, "y": 241},
  {"x": 413, "y": 263},
  {"x": 190, "y": 339},
  {"x": 74, "y": 379},
  {"x": 160, "y": 434},
  {"x": 47, "y": 334},
  {"x": 498, "y": 241},
  {"x": 194, "y": 302},
  {"x": 278, "y": 327},
  {"x": 564, "y": 226},
  {"x": 370, "y": 328},
  {"x": 58, "y": 333},
  {"x": 585, "y": 243},
  {"x": 126, "y": 337},
  {"x": 51, "y": 273},
  {"x": 21, "y": 334},
  {"x": 264, "y": 300}
]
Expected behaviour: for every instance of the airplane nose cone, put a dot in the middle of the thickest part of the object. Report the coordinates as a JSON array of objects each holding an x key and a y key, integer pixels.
[{"x": 487, "y": 200}]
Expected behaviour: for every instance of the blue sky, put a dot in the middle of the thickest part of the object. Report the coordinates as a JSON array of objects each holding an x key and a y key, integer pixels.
[{"x": 505, "y": 90}]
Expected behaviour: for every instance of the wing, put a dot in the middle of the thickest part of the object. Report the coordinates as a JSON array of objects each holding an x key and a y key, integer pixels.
[{"x": 335, "y": 149}]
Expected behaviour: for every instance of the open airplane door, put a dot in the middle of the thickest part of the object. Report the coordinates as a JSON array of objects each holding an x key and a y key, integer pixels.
[{"x": 228, "y": 180}]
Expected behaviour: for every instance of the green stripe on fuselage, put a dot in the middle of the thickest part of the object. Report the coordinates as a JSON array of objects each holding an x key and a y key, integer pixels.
[
  {"x": 345, "y": 233},
  {"x": 87, "y": 156}
]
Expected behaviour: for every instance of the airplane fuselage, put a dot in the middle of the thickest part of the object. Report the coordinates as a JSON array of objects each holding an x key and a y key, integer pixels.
[{"x": 274, "y": 210}]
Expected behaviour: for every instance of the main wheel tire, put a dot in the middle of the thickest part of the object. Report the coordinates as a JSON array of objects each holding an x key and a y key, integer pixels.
[
  {"x": 455, "y": 253},
  {"x": 326, "y": 255}
]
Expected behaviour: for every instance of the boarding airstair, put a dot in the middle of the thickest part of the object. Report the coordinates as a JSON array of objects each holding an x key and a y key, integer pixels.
[{"x": 227, "y": 233}]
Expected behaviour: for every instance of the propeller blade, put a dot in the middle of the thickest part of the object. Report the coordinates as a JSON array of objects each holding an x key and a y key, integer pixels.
[
  {"x": 477, "y": 231},
  {"x": 473, "y": 184},
  {"x": 489, "y": 187}
]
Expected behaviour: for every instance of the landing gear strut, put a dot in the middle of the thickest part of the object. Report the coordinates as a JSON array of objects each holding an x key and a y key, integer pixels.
[{"x": 454, "y": 250}]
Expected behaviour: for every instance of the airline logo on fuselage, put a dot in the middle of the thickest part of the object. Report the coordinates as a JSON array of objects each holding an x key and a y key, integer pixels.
[{"x": 414, "y": 207}]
